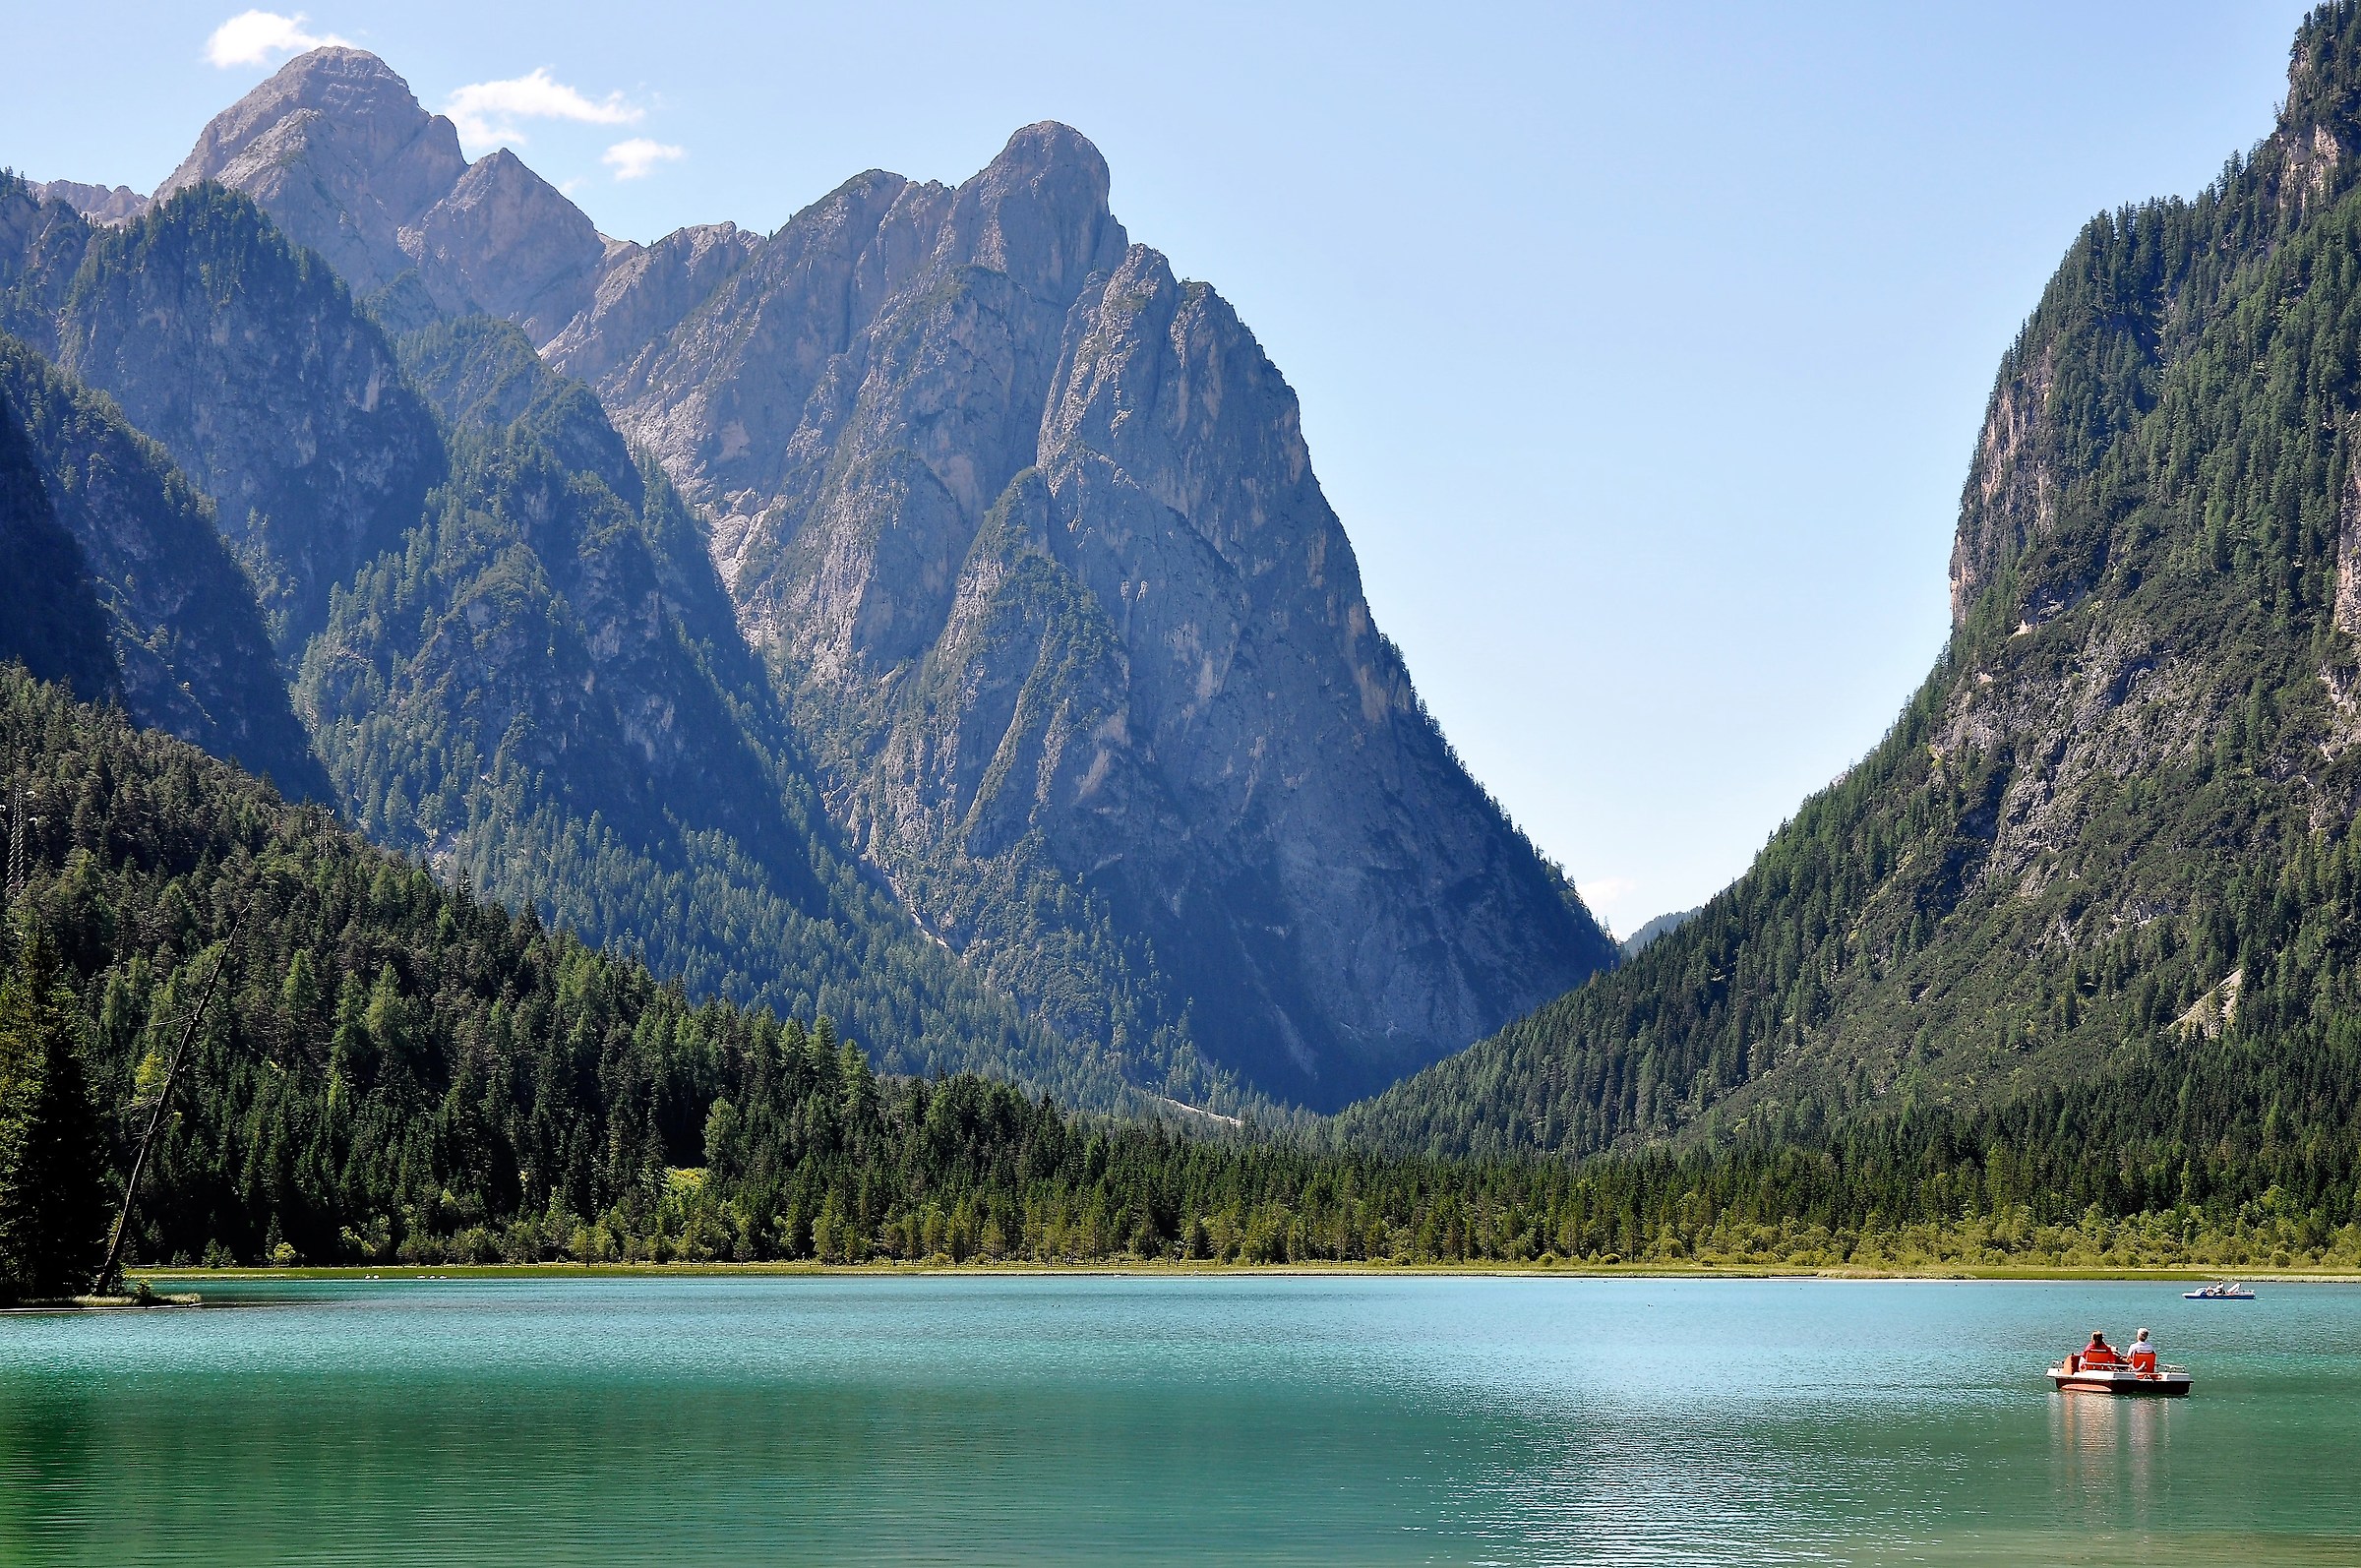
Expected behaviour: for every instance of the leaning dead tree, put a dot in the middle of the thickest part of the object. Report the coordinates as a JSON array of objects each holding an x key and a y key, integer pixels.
[{"x": 163, "y": 1102}]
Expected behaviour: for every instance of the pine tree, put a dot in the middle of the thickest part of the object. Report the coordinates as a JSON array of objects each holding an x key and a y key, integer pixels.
[{"x": 53, "y": 1202}]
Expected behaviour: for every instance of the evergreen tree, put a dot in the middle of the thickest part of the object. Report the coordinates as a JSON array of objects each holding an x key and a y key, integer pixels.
[{"x": 53, "y": 1202}]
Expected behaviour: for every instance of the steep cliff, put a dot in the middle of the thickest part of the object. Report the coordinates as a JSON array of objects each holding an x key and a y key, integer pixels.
[
  {"x": 1029, "y": 527},
  {"x": 2111, "y": 822},
  {"x": 188, "y": 644}
]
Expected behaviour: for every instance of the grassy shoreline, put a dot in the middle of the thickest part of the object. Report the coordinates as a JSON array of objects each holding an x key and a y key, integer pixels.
[{"x": 190, "y": 1278}]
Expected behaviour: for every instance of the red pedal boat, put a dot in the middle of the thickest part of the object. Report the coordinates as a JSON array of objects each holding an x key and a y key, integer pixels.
[{"x": 2153, "y": 1380}]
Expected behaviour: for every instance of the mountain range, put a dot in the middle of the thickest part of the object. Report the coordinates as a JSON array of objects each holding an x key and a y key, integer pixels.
[{"x": 926, "y": 614}]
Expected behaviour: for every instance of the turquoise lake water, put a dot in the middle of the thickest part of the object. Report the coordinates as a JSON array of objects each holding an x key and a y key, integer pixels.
[{"x": 1241, "y": 1419}]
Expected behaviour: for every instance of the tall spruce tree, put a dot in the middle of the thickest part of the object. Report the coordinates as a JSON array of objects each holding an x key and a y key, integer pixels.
[{"x": 53, "y": 1203}]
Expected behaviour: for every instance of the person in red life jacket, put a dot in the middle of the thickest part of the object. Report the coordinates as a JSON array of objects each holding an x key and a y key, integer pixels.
[
  {"x": 2144, "y": 1356},
  {"x": 2098, "y": 1353}
]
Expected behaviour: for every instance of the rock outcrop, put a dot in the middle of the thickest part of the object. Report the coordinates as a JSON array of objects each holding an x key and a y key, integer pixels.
[
  {"x": 42, "y": 241},
  {"x": 340, "y": 152}
]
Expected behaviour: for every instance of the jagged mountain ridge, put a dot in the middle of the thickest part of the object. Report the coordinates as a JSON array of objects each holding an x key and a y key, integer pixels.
[
  {"x": 1026, "y": 529},
  {"x": 2098, "y": 828},
  {"x": 336, "y": 149},
  {"x": 540, "y": 685}
]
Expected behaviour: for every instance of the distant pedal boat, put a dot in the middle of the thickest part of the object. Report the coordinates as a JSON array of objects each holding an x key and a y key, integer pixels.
[
  {"x": 2071, "y": 1376},
  {"x": 2228, "y": 1291}
]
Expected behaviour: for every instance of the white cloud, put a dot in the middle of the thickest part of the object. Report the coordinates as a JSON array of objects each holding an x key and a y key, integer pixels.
[
  {"x": 1615, "y": 900},
  {"x": 635, "y": 158},
  {"x": 1607, "y": 889},
  {"x": 252, "y": 37},
  {"x": 486, "y": 112}
]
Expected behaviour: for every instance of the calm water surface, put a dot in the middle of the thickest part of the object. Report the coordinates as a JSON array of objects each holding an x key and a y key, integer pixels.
[{"x": 1237, "y": 1421}]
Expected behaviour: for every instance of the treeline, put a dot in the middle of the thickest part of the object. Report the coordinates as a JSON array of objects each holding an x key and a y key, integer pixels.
[{"x": 395, "y": 1071}]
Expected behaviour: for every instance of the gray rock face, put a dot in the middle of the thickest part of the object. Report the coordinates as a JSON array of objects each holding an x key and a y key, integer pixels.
[
  {"x": 96, "y": 203},
  {"x": 336, "y": 149},
  {"x": 645, "y": 292},
  {"x": 341, "y": 155},
  {"x": 505, "y": 243},
  {"x": 1031, "y": 529},
  {"x": 273, "y": 396}
]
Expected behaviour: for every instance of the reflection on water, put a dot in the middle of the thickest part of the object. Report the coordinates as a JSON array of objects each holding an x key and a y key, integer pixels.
[
  {"x": 1249, "y": 1420},
  {"x": 2110, "y": 1451}
]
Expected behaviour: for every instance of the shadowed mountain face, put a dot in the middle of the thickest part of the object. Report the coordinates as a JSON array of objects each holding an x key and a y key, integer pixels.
[
  {"x": 1021, "y": 528},
  {"x": 180, "y": 629},
  {"x": 2112, "y": 831},
  {"x": 51, "y": 618}
]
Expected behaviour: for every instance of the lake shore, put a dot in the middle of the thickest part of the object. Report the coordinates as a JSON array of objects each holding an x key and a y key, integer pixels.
[{"x": 193, "y": 1277}]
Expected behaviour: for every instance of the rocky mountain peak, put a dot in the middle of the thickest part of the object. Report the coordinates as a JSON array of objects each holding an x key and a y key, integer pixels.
[
  {"x": 505, "y": 241},
  {"x": 1037, "y": 213},
  {"x": 344, "y": 158},
  {"x": 340, "y": 99},
  {"x": 1025, "y": 530}
]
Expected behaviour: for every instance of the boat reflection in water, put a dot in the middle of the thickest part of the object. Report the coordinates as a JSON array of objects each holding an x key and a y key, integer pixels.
[{"x": 2106, "y": 1453}]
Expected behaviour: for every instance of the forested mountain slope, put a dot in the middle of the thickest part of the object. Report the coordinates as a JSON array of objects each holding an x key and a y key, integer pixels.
[
  {"x": 510, "y": 645},
  {"x": 1027, "y": 532},
  {"x": 2115, "y": 820},
  {"x": 185, "y": 645},
  {"x": 393, "y": 1065},
  {"x": 395, "y": 1071}
]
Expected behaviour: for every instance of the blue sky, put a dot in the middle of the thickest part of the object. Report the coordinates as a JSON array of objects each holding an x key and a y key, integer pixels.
[{"x": 1641, "y": 347}]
